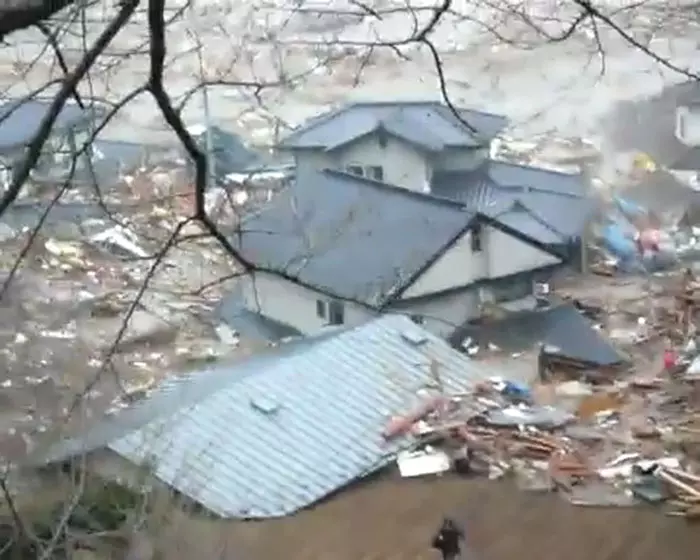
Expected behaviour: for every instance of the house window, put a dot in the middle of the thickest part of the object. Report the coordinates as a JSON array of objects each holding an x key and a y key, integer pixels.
[
  {"x": 375, "y": 172},
  {"x": 355, "y": 170},
  {"x": 418, "y": 319},
  {"x": 321, "y": 308},
  {"x": 336, "y": 313},
  {"x": 476, "y": 239}
]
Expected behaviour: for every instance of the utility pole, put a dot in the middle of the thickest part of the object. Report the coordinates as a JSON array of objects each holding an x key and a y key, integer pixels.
[{"x": 205, "y": 99}]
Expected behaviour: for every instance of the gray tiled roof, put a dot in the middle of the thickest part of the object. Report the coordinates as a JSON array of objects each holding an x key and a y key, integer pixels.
[
  {"x": 557, "y": 200},
  {"x": 20, "y": 120},
  {"x": 427, "y": 125},
  {"x": 275, "y": 433},
  {"x": 352, "y": 237}
]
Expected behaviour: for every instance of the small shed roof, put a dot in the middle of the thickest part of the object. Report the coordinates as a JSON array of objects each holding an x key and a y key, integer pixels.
[
  {"x": 20, "y": 120},
  {"x": 270, "y": 435}
]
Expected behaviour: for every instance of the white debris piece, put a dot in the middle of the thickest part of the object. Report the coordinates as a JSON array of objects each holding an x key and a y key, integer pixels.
[
  {"x": 227, "y": 335},
  {"x": 420, "y": 463},
  {"x": 120, "y": 237}
]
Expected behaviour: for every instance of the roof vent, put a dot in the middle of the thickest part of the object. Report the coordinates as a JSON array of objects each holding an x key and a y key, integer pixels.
[
  {"x": 265, "y": 405},
  {"x": 414, "y": 338}
]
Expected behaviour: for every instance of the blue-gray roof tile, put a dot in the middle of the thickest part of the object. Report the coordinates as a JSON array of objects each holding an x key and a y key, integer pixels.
[
  {"x": 20, "y": 120},
  {"x": 352, "y": 237},
  {"x": 276, "y": 433},
  {"x": 558, "y": 200},
  {"x": 428, "y": 125}
]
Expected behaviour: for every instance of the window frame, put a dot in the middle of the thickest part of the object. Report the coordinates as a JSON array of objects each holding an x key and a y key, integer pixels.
[
  {"x": 370, "y": 172},
  {"x": 321, "y": 309},
  {"x": 477, "y": 245},
  {"x": 355, "y": 169},
  {"x": 336, "y": 312}
]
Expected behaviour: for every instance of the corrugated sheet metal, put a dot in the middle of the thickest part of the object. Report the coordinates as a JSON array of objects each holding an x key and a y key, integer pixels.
[
  {"x": 274, "y": 434},
  {"x": 350, "y": 236},
  {"x": 436, "y": 121}
]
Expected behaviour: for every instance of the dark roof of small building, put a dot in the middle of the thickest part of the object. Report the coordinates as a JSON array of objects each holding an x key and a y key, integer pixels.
[
  {"x": 531, "y": 199},
  {"x": 427, "y": 125},
  {"x": 20, "y": 120},
  {"x": 352, "y": 237},
  {"x": 562, "y": 328}
]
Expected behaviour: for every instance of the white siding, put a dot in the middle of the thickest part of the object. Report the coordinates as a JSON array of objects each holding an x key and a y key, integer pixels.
[
  {"x": 457, "y": 267},
  {"x": 501, "y": 255},
  {"x": 403, "y": 165},
  {"x": 509, "y": 255},
  {"x": 292, "y": 304}
]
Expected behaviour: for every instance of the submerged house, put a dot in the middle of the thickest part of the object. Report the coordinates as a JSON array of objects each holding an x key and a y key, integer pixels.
[
  {"x": 268, "y": 435},
  {"x": 429, "y": 148},
  {"x": 338, "y": 249}
]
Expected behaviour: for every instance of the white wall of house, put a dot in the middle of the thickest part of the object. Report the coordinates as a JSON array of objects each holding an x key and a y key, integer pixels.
[
  {"x": 500, "y": 255},
  {"x": 402, "y": 164},
  {"x": 508, "y": 255},
  {"x": 294, "y": 305}
]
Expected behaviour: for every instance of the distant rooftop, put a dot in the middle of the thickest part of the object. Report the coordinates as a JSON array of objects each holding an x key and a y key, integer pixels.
[
  {"x": 427, "y": 125},
  {"x": 20, "y": 120}
]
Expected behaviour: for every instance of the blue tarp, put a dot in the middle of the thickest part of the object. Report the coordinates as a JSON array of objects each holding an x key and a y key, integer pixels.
[{"x": 618, "y": 242}]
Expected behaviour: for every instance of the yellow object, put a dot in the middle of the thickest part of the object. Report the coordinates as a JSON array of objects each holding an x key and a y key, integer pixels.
[{"x": 643, "y": 162}]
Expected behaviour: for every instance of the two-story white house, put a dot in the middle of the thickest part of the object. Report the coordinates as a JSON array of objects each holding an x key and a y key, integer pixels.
[
  {"x": 427, "y": 147},
  {"x": 415, "y": 217},
  {"x": 337, "y": 249}
]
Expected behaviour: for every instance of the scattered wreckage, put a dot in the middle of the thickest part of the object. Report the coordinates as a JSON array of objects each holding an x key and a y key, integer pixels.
[{"x": 627, "y": 437}]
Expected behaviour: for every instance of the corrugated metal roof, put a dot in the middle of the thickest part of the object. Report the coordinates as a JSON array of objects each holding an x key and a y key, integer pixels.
[
  {"x": 428, "y": 124},
  {"x": 20, "y": 120},
  {"x": 273, "y": 434},
  {"x": 352, "y": 237},
  {"x": 556, "y": 199}
]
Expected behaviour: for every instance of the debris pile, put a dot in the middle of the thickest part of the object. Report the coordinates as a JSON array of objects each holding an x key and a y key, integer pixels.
[{"x": 619, "y": 444}]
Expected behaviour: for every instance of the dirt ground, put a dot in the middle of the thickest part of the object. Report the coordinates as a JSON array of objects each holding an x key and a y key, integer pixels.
[{"x": 394, "y": 519}]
